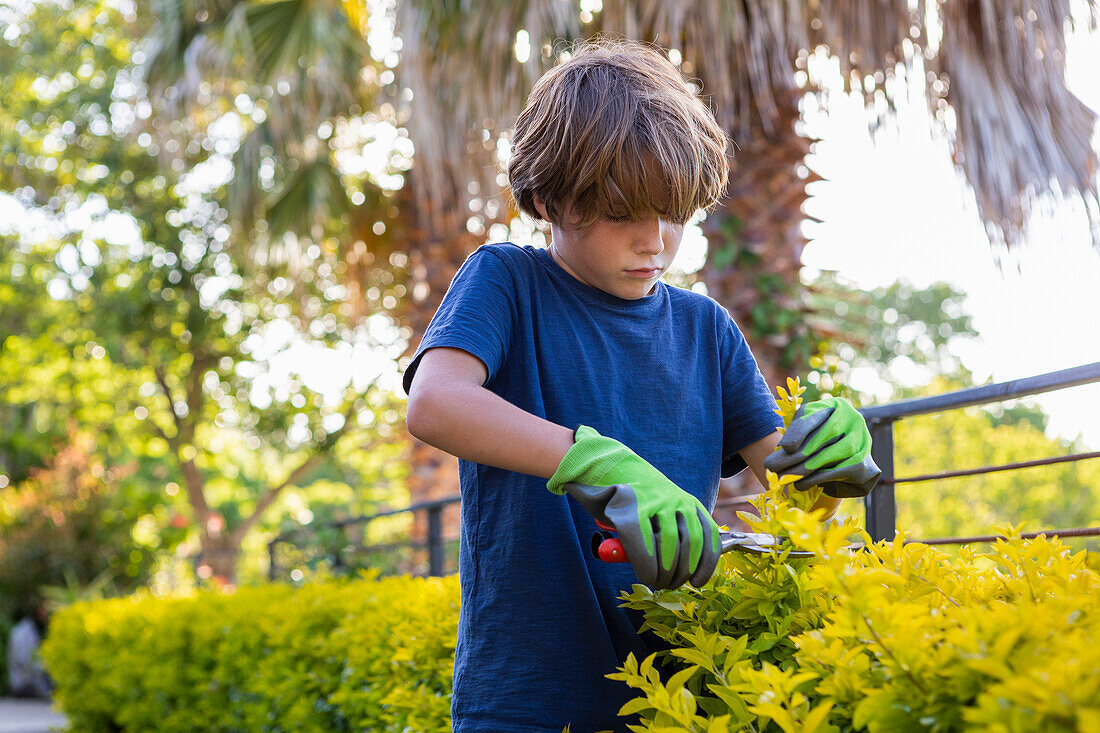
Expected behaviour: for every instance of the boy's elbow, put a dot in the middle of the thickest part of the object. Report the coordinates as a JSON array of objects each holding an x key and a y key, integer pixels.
[{"x": 419, "y": 414}]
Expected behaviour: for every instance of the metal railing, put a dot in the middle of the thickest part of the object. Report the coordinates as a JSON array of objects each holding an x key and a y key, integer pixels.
[
  {"x": 879, "y": 504},
  {"x": 342, "y": 556},
  {"x": 881, "y": 510}
]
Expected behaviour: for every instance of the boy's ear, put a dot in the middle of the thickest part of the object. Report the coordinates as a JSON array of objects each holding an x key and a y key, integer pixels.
[{"x": 540, "y": 206}]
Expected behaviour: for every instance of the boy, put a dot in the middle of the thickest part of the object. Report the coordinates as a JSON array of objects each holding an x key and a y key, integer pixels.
[{"x": 575, "y": 369}]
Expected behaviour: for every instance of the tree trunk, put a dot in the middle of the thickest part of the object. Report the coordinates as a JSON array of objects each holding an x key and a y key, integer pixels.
[
  {"x": 217, "y": 558},
  {"x": 754, "y": 258},
  {"x": 756, "y": 241},
  {"x": 219, "y": 550}
]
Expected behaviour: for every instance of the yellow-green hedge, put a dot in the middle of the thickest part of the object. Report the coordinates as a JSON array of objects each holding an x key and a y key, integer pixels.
[
  {"x": 893, "y": 638},
  {"x": 373, "y": 655}
]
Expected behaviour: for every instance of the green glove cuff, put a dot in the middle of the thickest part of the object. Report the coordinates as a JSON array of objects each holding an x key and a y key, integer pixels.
[{"x": 588, "y": 460}]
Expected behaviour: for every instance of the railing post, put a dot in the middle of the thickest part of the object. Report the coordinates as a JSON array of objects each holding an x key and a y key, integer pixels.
[
  {"x": 879, "y": 504},
  {"x": 435, "y": 540}
]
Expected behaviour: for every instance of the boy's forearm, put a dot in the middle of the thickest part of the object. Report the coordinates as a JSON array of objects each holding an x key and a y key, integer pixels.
[{"x": 469, "y": 421}]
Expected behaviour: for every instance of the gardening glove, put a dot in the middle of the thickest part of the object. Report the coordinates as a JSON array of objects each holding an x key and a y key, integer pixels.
[
  {"x": 667, "y": 534},
  {"x": 828, "y": 445}
]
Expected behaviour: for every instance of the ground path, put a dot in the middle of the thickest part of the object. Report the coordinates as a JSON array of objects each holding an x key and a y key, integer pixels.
[{"x": 29, "y": 716}]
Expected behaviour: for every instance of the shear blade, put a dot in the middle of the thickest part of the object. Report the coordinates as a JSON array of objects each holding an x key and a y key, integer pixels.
[{"x": 756, "y": 542}]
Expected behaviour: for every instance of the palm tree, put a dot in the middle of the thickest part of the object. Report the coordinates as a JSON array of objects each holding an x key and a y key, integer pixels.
[{"x": 993, "y": 75}]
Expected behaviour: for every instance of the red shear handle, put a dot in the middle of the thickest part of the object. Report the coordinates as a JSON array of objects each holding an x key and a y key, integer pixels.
[{"x": 611, "y": 550}]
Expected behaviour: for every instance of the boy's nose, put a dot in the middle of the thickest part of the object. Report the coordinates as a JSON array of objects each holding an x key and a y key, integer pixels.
[{"x": 649, "y": 238}]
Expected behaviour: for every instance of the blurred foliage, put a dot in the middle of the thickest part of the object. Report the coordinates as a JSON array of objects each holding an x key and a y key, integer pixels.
[
  {"x": 121, "y": 309},
  {"x": 68, "y": 524},
  {"x": 1062, "y": 495},
  {"x": 877, "y": 340}
]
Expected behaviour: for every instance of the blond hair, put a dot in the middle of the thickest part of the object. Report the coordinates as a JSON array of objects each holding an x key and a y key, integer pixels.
[{"x": 616, "y": 132}]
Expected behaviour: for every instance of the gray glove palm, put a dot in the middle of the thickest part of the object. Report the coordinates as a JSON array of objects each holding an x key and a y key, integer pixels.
[{"x": 828, "y": 444}]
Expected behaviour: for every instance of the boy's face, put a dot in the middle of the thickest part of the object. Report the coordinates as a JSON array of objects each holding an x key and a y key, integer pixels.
[{"x": 623, "y": 258}]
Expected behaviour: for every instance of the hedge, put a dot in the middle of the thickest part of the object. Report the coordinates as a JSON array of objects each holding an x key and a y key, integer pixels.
[
  {"x": 374, "y": 655},
  {"x": 891, "y": 637},
  {"x": 894, "y": 637},
  {"x": 897, "y": 637}
]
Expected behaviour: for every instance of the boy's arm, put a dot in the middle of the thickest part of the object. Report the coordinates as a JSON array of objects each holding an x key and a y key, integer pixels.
[
  {"x": 754, "y": 455},
  {"x": 450, "y": 409},
  {"x": 668, "y": 535}
]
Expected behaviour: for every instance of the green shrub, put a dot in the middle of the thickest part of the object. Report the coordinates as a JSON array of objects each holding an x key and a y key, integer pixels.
[
  {"x": 893, "y": 637},
  {"x": 371, "y": 655}
]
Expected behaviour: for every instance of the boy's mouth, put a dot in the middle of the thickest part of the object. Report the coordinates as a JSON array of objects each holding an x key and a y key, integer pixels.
[{"x": 645, "y": 273}]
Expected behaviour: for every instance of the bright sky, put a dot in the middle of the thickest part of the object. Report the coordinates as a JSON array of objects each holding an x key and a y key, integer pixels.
[{"x": 896, "y": 208}]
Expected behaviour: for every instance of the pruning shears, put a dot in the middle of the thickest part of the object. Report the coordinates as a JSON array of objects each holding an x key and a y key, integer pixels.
[{"x": 610, "y": 549}]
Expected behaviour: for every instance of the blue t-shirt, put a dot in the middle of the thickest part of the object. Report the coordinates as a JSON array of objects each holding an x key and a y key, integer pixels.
[{"x": 669, "y": 375}]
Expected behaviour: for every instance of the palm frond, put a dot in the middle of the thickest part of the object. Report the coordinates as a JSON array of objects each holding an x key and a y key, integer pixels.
[
  {"x": 301, "y": 59},
  {"x": 461, "y": 67},
  {"x": 177, "y": 51},
  {"x": 310, "y": 44},
  {"x": 998, "y": 65},
  {"x": 310, "y": 195},
  {"x": 244, "y": 192},
  {"x": 1019, "y": 131},
  {"x": 743, "y": 53}
]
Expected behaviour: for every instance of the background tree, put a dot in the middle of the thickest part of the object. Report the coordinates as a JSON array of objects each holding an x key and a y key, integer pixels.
[
  {"x": 149, "y": 328},
  {"x": 885, "y": 338},
  {"x": 33, "y": 422}
]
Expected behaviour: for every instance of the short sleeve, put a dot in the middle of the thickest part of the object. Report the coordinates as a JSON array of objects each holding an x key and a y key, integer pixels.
[
  {"x": 477, "y": 314},
  {"x": 748, "y": 407}
]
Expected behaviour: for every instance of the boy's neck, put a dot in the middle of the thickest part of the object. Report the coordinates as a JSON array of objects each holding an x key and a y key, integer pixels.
[{"x": 556, "y": 256}]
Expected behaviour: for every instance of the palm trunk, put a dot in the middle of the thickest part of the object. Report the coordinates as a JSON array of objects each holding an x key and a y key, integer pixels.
[
  {"x": 755, "y": 250},
  {"x": 756, "y": 241}
]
